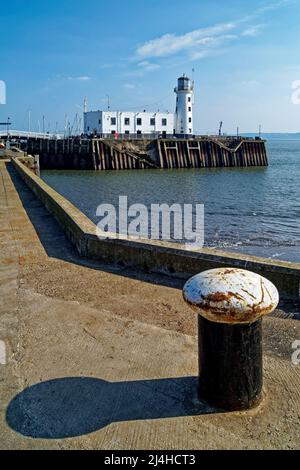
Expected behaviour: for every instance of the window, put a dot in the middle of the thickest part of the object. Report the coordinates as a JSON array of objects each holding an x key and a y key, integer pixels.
[
  {"x": 164, "y": 122},
  {"x": 152, "y": 122},
  {"x": 189, "y": 99},
  {"x": 190, "y": 131},
  {"x": 190, "y": 119},
  {"x": 139, "y": 121},
  {"x": 127, "y": 122},
  {"x": 99, "y": 121},
  {"x": 190, "y": 109},
  {"x": 88, "y": 128},
  {"x": 113, "y": 121},
  {"x": 126, "y": 132},
  {"x": 139, "y": 132},
  {"x": 113, "y": 132}
]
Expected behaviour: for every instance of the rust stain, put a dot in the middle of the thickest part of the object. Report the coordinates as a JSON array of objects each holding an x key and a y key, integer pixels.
[
  {"x": 237, "y": 296},
  {"x": 230, "y": 315},
  {"x": 7, "y": 261},
  {"x": 217, "y": 297},
  {"x": 268, "y": 292},
  {"x": 222, "y": 297},
  {"x": 262, "y": 291},
  {"x": 248, "y": 293},
  {"x": 22, "y": 260},
  {"x": 228, "y": 271}
]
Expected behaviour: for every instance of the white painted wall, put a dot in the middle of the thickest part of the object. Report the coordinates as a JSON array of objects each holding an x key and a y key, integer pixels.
[
  {"x": 122, "y": 122},
  {"x": 184, "y": 108}
]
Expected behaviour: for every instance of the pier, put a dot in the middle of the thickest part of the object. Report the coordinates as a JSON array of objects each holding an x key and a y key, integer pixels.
[
  {"x": 104, "y": 357},
  {"x": 101, "y": 154}
]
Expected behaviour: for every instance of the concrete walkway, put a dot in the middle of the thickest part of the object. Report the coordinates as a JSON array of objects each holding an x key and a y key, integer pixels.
[{"x": 104, "y": 358}]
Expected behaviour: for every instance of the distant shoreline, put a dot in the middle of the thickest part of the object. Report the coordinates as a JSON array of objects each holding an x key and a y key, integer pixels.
[{"x": 275, "y": 135}]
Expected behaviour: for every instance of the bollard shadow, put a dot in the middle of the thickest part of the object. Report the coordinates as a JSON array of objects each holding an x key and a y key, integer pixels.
[{"x": 72, "y": 407}]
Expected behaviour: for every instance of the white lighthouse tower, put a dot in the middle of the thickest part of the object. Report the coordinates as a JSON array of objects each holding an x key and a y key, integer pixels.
[{"x": 184, "y": 122}]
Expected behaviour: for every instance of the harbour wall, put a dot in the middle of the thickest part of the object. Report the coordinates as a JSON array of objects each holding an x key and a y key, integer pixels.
[
  {"x": 109, "y": 154},
  {"x": 152, "y": 256}
]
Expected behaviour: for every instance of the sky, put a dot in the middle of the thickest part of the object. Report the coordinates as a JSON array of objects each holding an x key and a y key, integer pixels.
[{"x": 244, "y": 57}]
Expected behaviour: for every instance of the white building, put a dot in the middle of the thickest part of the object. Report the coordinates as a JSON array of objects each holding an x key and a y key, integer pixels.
[
  {"x": 122, "y": 122},
  {"x": 141, "y": 123}
]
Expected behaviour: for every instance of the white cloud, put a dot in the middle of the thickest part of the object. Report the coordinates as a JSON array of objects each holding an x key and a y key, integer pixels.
[
  {"x": 202, "y": 42},
  {"x": 272, "y": 6},
  {"x": 143, "y": 67},
  {"x": 129, "y": 86},
  {"x": 83, "y": 78},
  {"x": 106, "y": 66},
  {"x": 253, "y": 31},
  {"x": 212, "y": 47},
  {"x": 148, "y": 66},
  {"x": 170, "y": 44},
  {"x": 250, "y": 83},
  {"x": 263, "y": 10}
]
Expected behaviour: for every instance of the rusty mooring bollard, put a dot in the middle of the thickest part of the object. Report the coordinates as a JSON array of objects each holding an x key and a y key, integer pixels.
[{"x": 231, "y": 303}]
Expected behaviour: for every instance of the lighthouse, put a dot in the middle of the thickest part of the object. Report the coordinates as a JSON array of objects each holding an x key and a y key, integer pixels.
[{"x": 184, "y": 106}]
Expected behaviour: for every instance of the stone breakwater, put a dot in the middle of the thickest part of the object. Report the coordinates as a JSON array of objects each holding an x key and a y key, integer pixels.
[{"x": 150, "y": 256}]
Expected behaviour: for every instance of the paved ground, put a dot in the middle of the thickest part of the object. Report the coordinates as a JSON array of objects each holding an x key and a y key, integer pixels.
[{"x": 104, "y": 358}]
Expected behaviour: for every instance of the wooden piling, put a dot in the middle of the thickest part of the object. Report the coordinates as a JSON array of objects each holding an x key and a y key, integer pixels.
[{"x": 101, "y": 154}]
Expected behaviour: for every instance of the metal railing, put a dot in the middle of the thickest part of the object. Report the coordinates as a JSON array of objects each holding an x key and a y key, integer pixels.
[
  {"x": 26, "y": 135},
  {"x": 143, "y": 136},
  {"x": 158, "y": 135},
  {"x": 14, "y": 134}
]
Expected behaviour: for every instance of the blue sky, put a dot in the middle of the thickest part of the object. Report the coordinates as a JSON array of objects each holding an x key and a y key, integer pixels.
[{"x": 245, "y": 57}]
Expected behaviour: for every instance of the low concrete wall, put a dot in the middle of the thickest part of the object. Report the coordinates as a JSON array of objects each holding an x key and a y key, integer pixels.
[{"x": 162, "y": 257}]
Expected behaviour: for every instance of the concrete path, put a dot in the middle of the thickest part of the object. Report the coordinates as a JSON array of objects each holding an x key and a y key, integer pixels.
[{"x": 104, "y": 358}]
